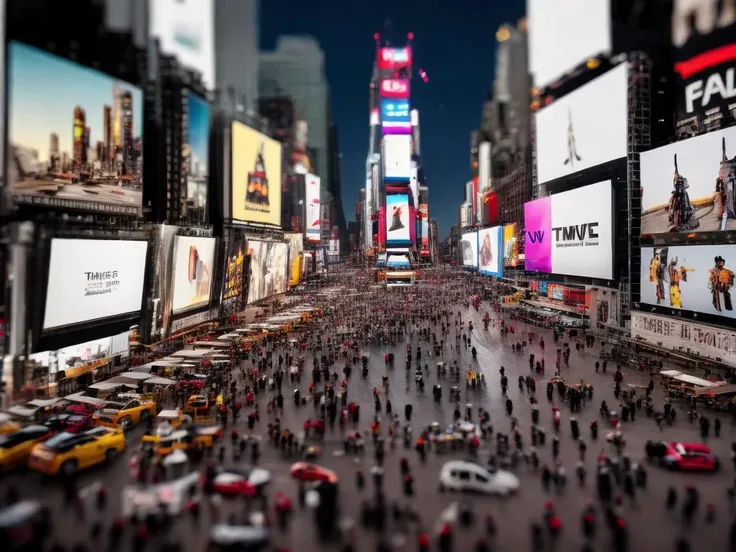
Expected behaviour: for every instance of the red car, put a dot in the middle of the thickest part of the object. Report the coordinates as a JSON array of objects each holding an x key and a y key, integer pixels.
[
  {"x": 236, "y": 481},
  {"x": 683, "y": 456},
  {"x": 304, "y": 471},
  {"x": 70, "y": 423}
]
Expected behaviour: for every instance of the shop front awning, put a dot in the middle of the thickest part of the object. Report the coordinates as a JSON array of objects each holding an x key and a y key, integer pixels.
[
  {"x": 159, "y": 381},
  {"x": 192, "y": 353}
]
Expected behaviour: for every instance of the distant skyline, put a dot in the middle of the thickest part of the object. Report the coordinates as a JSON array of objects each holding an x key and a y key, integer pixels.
[
  {"x": 198, "y": 128},
  {"x": 43, "y": 90}
]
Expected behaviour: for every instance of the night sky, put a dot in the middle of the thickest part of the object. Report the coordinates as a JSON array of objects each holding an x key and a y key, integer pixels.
[{"x": 454, "y": 42}]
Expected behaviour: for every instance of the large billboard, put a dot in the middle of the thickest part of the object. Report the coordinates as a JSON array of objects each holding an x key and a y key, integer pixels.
[
  {"x": 564, "y": 34},
  {"x": 397, "y": 220},
  {"x": 584, "y": 128},
  {"x": 510, "y": 246},
  {"x": 186, "y": 29},
  {"x": 236, "y": 273},
  {"x": 695, "y": 278},
  {"x": 394, "y": 88},
  {"x": 74, "y": 135},
  {"x": 490, "y": 251},
  {"x": 690, "y": 186},
  {"x": 193, "y": 272},
  {"x": 563, "y": 238},
  {"x": 424, "y": 226},
  {"x": 256, "y": 176},
  {"x": 396, "y": 158},
  {"x": 92, "y": 280},
  {"x": 395, "y": 112},
  {"x": 313, "y": 223},
  {"x": 267, "y": 269},
  {"x": 394, "y": 58},
  {"x": 196, "y": 158},
  {"x": 469, "y": 247},
  {"x": 295, "y": 241}
]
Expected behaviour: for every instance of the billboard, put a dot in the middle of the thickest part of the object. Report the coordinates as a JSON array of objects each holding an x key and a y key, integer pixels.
[
  {"x": 196, "y": 157},
  {"x": 424, "y": 225},
  {"x": 695, "y": 278},
  {"x": 564, "y": 34},
  {"x": 74, "y": 135},
  {"x": 295, "y": 241},
  {"x": 268, "y": 262},
  {"x": 394, "y": 88},
  {"x": 394, "y": 58},
  {"x": 193, "y": 271},
  {"x": 91, "y": 280},
  {"x": 690, "y": 186},
  {"x": 395, "y": 111},
  {"x": 398, "y": 261},
  {"x": 236, "y": 273},
  {"x": 312, "y": 226},
  {"x": 469, "y": 245},
  {"x": 562, "y": 238},
  {"x": 397, "y": 221},
  {"x": 584, "y": 128},
  {"x": 396, "y": 158},
  {"x": 510, "y": 246},
  {"x": 256, "y": 176},
  {"x": 185, "y": 29},
  {"x": 490, "y": 251}
]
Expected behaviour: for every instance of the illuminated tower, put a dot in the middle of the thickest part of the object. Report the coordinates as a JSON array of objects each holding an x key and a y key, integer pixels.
[
  {"x": 78, "y": 138},
  {"x": 127, "y": 122},
  {"x": 117, "y": 121}
]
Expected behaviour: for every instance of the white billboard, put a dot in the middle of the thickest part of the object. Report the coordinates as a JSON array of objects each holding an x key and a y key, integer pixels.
[
  {"x": 397, "y": 157},
  {"x": 584, "y": 128},
  {"x": 268, "y": 275},
  {"x": 565, "y": 33},
  {"x": 186, "y": 29},
  {"x": 490, "y": 251},
  {"x": 469, "y": 245},
  {"x": 312, "y": 226},
  {"x": 193, "y": 272},
  {"x": 90, "y": 280}
]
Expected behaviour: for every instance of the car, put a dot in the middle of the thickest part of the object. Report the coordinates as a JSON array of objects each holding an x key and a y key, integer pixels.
[
  {"x": 224, "y": 537},
  {"x": 306, "y": 471},
  {"x": 239, "y": 481},
  {"x": 459, "y": 475},
  {"x": 67, "y": 453},
  {"x": 193, "y": 437},
  {"x": 24, "y": 525},
  {"x": 126, "y": 410},
  {"x": 16, "y": 447},
  {"x": 682, "y": 456},
  {"x": 71, "y": 423}
]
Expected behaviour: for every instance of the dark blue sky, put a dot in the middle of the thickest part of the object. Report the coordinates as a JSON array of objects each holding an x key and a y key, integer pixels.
[{"x": 454, "y": 42}]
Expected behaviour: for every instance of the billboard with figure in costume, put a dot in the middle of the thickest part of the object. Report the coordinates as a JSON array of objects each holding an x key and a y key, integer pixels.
[{"x": 397, "y": 219}]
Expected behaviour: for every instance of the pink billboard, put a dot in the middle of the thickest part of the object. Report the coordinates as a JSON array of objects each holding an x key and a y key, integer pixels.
[
  {"x": 395, "y": 88},
  {"x": 538, "y": 235}
]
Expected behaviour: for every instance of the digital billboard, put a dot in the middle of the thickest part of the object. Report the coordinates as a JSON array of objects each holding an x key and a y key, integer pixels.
[
  {"x": 185, "y": 29},
  {"x": 256, "y": 176},
  {"x": 584, "y": 128},
  {"x": 469, "y": 245},
  {"x": 563, "y": 238},
  {"x": 490, "y": 251},
  {"x": 510, "y": 246},
  {"x": 689, "y": 186},
  {"x": 295, "y": 241},
  {"x": 695, "y": 278},
  {"x": 268, "y": 274},
  {"x": 394, "y": 58},
  {"x": 91, "y": 280},
  {"x": 396, "y": 158},
  {"x": 196, "y": 157},
  {"x": 397, "y": 219},
  {"x": 236, "y": 273},
  {"x": 564, "y": 34},
  {"x": 395, "y": 111},
  {"x": 424, "y": 226},
  {"x": 398, "y": 261},
  {"x": 74, "y": 135},
  {"x": 193, "y": 271},
  {"x": 313, "y": 222},
  {"x": 394, "y": 88}
]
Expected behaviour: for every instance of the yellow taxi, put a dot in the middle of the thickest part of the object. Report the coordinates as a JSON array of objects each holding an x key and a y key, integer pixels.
[
  {"x": 67, "y": 453},
  {"x": 125, "y": 411},
  {"x": 185, "y": 440},
  {"x": 7, "y": 425},
  {"x": 16, "y": 447}
]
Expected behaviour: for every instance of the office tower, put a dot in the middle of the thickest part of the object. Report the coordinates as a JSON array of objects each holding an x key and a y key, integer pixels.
[
  {"x": 54, "y": 152},
  {"x": 106, "y": 138},
  {"x": 127, "y": 122},
  {"x": 78, "y": 138}
]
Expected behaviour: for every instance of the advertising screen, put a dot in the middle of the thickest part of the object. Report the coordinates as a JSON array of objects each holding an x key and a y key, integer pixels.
[
  {"x": 556, "y": 292},
  {"x": 689, "y": 186},
  {"x": 313, "y": 226},
  {"x": 193, "y": 270},
  {"x": 267, "y": 269},
  {"x": 75, "y": 135},
  {"x": 398, "y": 261},
  {"x": 396, "y": 158},
  {"x": 235, "y": 274},
  {"x": 394, "y": 58},
  {"x": 510, "y": 246},
  {"x": 91, "y": 280},
  {"x": 564, "y": 34},
  {"x": 186, "y": 29},
  {"x": 696, "y": 278},
  {"x": 490, "y": 251},
  {"x": 469, "y": 244},
  {"x": 196, "y": 157},
  {"x": 397, "y": 221},
  {"x": 424, "y": 225},
  {"x": 295, "y": 241},
  {"x": 394, "y": 88},
  {"x": 256, "y": 176},
  {"x": 562, "y": 238},
  {"x": 395, "y": 111},
  {"x": 575, "y": 132}
]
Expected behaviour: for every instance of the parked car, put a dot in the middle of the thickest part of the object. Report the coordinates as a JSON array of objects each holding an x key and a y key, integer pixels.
[
  {"x": 71, "y": 423},
  {"x": 239, "y": 481},
  {"x": 682, "y": 456},
  {"x": 304, "y": 471},
  {"x": 16, "y": 447},
  {"x": 459, "y": 475},
  {"x": 67, "y": 453}
]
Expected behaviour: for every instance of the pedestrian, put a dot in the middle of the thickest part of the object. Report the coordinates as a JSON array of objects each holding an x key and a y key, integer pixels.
[
  {"x": 509, "y": 407},
  {"x": 546, "y": 478}
]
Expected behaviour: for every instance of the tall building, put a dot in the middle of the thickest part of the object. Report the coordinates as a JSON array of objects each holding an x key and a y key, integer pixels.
[
  {"x": 334, "y": 184},
  {"x": 54, "y": 159},
  {"x": 107, "y": 148},
  {"x": 78, "y": 137},
  {"x": 127, "y": 122}
]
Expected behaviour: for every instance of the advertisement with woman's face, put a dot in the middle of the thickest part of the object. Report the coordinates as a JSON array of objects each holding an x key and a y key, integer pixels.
[{"x": 489, "y": 253}]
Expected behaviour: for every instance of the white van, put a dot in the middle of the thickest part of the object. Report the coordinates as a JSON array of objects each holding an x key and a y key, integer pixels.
[{"x": 458, "y": 475}]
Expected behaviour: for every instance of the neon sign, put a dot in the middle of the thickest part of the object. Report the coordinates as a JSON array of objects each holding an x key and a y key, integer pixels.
[
  {"x": 395, "y": 88},
  {"x": 394, "y": 58}
]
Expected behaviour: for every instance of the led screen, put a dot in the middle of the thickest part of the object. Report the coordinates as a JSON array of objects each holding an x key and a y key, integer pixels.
[
  {"x": 91, "y": 280},
  {"x": 689, "y": 186},
  {"x": 295, "y": 241},
  {"x": 584, "y": 128},
  {"x": 398, "y": 261},
  {"x": 74, "y": 135},
  {"x": 562, "y": 238},
  {"x": 396, "y": 158},
  {"x": 510, "y": 246},
  {"x": 196, "y": 158},
  {"x": 397, "y": 219},
  {"x": 424, "y": 225},
  {"x": 235, "y": 274},
  {"x": 490, "y": 251},
  {"x": 395, "y": 88},
  {"x": 395, "y": 111},
  {"x": 312, "y": 227},
  {"x": 469, "y": 245},
  {"x": 394, "y": 58},
  {"x": 193, "y": 271},
  {"x": 268, "y": 274}
]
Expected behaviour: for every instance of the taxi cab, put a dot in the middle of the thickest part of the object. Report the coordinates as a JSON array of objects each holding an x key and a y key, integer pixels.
[
  {"x": 67, "y": 453},
  {"x": 125, "y": 410},
  {"x": 16, "y": 447},
  {"x": 164, "y": 444},
  {"x": 197, "y": 403},
  {"x": 7, "y": 425}
]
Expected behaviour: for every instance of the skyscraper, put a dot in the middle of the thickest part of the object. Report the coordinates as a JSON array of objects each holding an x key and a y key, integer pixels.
[
  {"x": 127, "y": 121},
  {"x": 107, "y": 145},
  {"x": 54, "y": 152},
  {"x": 78, "y": 137}
]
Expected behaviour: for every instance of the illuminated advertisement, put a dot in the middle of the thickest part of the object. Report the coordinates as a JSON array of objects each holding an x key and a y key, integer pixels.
[
  {"x": 74, "y": 135},
  {"x": 510, "y": 246},
  {"x": 562, "y": 238},
  {"x": 193, "y": 271},
  {"x": 313, "y": 225},
  {"x": 256, "y": 176},
  {"x": 295, "y": 240},
  {"x": 490, "y": 251},
  {"x": 569, "y": 136},
  {"x": 233, "y": 290},
  {"x": 394, "y": 88},
  {"x": 397, "y": 221},
  {"x": 424, "y": 225},
  {"x": 556, "y": 292},
  {"x": 196, "y": 157},
  {"x": 394, "y": 58},
  {"x": 395, "y": 111},
  {"x": 469, "y": 245},
  {"x": 397, "y": 158},
  {"x": 398, "y": 261},
  {"x": 690, "y": 186},
  {"x": 268, "y": 262},
  {"x": 695, "y": 278}
]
